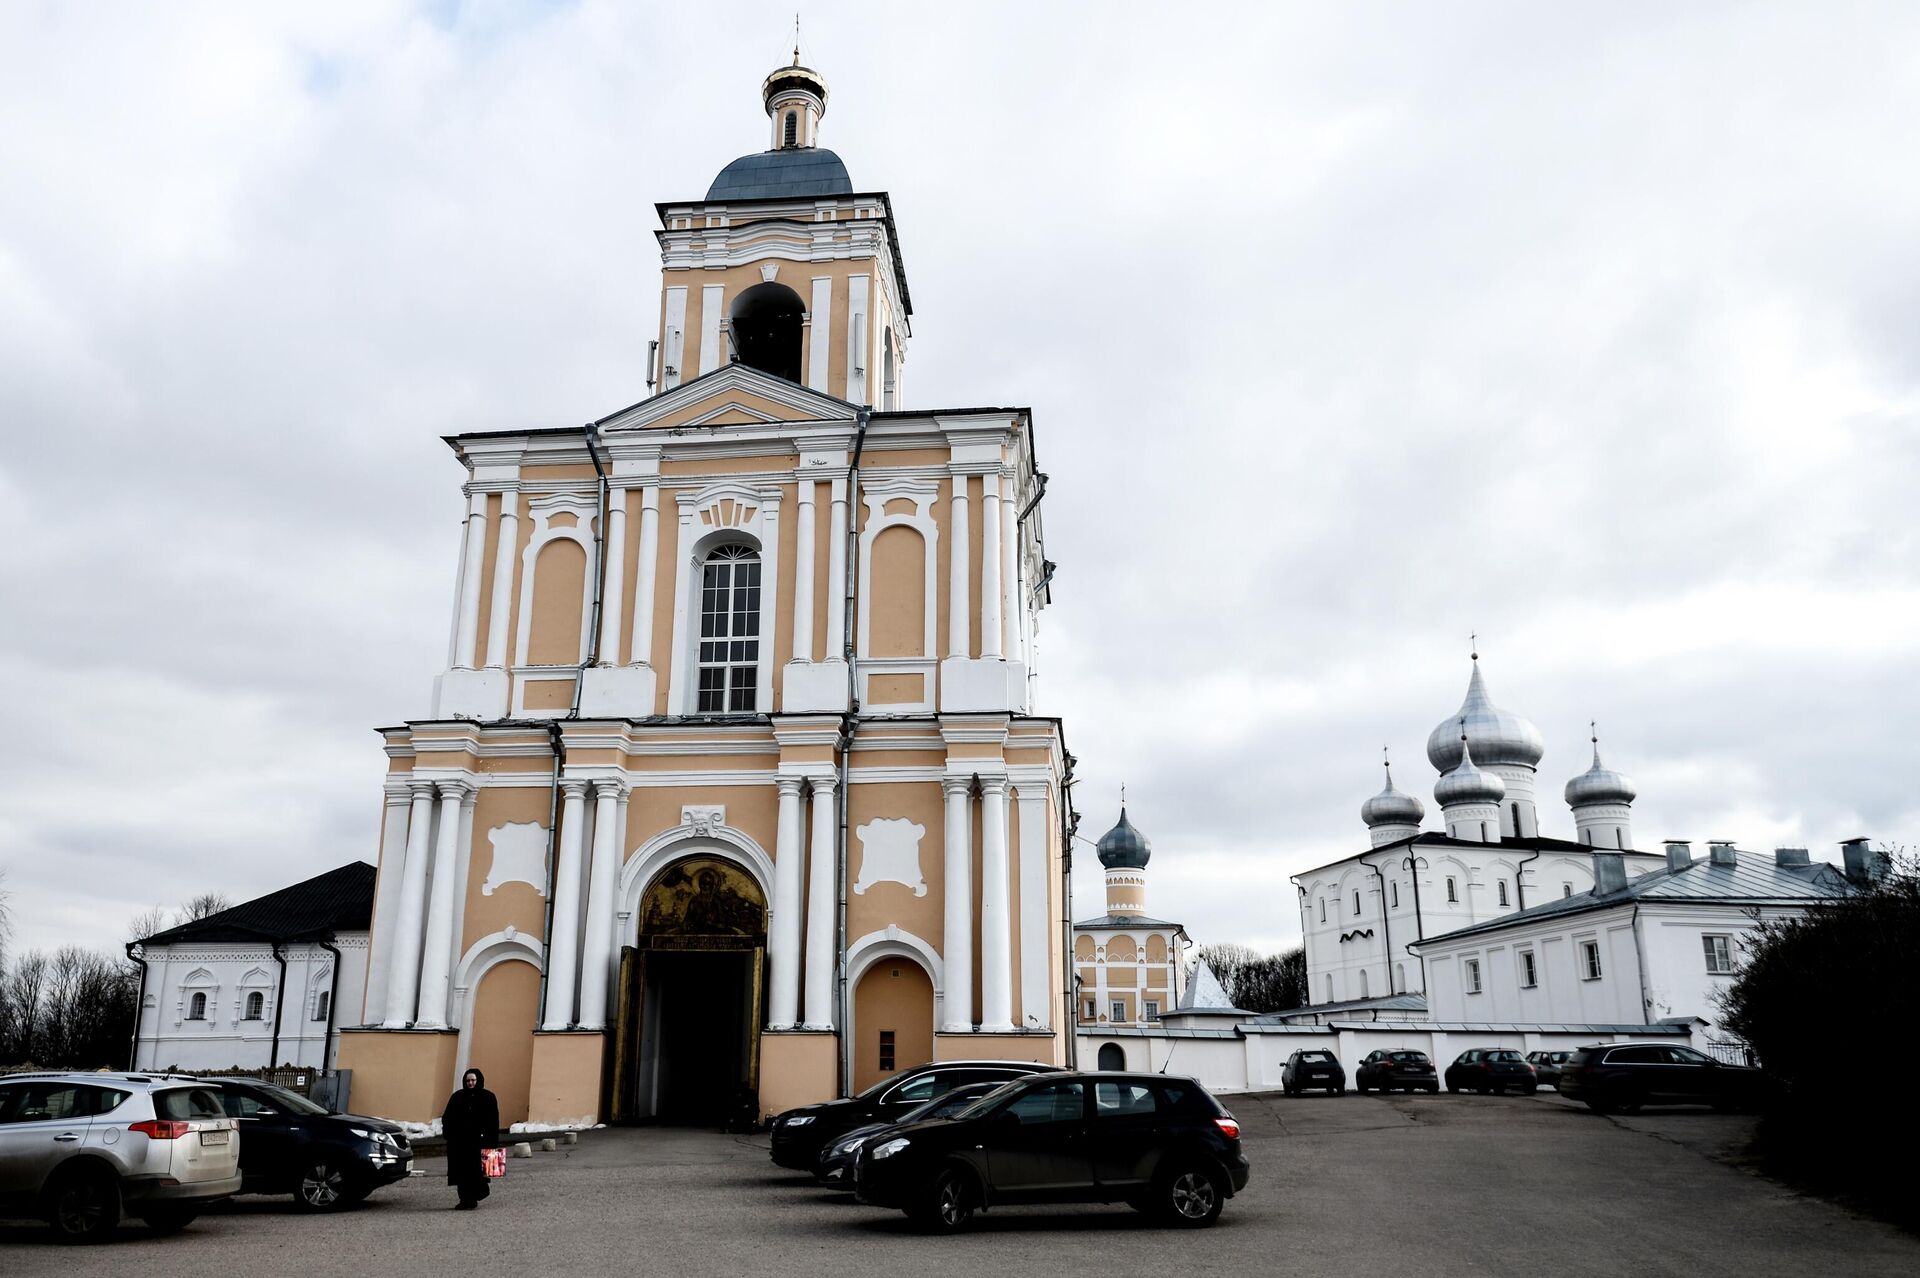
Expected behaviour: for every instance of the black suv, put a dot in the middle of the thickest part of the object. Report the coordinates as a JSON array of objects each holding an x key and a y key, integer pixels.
[
  {"x": 1157, "y": 1143},
  {"x": 800, "y": 1134},
  {"x": 1491, "y": 1069},
  {"x": 1388, "y": 1069},
  {"x": 1308, "y": 1068},
  {"x": 1625, "y": 1076},
  {"x": 289, "y": 1145}
]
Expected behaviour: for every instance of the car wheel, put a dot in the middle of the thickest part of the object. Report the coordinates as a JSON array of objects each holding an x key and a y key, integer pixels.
[
  {"x": 84, "y": 1205},
  {"x": 322, "y": 1187},
  {"x": 169, "y": 1220},
  {"x": 1190, "y": 1197},
  {"x": 948, "y": 1208}
]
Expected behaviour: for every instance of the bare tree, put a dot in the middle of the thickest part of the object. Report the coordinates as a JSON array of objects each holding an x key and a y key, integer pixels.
[
  {"x": 148, "y": 922},
  {"x": 22, "y": 1005},
  {"x": 201, "y": 906},
  {"x": 1228, "y": 961}
]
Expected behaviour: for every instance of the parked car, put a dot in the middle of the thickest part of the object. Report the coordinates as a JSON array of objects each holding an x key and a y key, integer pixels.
[
  {"x": 1388, "y": 1070},
  {"x": 837, "y": 1159},
  {"x": 1158, "y": 1143},
  {"x": 800, "y": 1134},
  {"x": 1546, "y": 1066},
  {"x": 1625, "y": 1076},
  {"x": 1307, "y": 1069},
  {"x": 289, "y": 1145},
  {"x": 79, "y": 1150},
  {"x": 1497, "y": 1070}
]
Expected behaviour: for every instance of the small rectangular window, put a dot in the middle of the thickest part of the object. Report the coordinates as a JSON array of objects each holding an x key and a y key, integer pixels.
[
  {"x": 1323, "y": 909},
  {"x": 886, "y": 1051},
  {"x": 1719, "y": 954},
  {"x": 1151, "y": 1010},
  {"x": 1119, "y": 1011},
  {"x": 1590, "y": 959},
  {"x": 1473, "y": 976},
  {"x": 1093, "y": 1010},
  {"x": 1453, "y": 890},
  {"x": 1393, "y": 894},
  {"x": 1356, "y": 904},
  {"x": 1529, "y": 975}
]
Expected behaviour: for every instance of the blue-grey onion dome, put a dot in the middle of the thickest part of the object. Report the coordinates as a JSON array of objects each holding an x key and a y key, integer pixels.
[
  {"x": 1390, "y": 807},
  {"x": 1499, "y": 737},
  {"x": 793, "y": 173},
  {"x": 1123, "y": 847},
  {"x": 1468, "y": 784},
  {"x": 1600, "y": 784}
]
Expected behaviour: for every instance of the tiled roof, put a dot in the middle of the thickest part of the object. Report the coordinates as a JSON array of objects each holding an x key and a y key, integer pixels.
[{"x": 338, "y": 901}]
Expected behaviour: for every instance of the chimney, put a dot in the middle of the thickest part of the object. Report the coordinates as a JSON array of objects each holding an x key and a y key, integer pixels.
[
  {"x": 1609, "y": 872},
  {"x": 1720, "y": 852},
  {"x": 1787, "y": 857},
  {"x": 1859, "y": 862},
  {"x": 1679, "y": 855}
]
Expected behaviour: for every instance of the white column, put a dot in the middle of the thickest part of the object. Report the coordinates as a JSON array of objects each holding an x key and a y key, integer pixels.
[
  {"x": 461, "y": 864},
  {"x": 959, "y": 589},
  {"x": 441, "y": 909},
  {"x": 506, "y": 554},
  {"x": 803, "y": 577},
  {"x": 990, "y": 567},
  {"x": 386, "y": 907},
  {"x": 996, "y": 909},
  {"x": 643, "y": 584},
  {"x": 1036, "y": 970},
  {"x": 403, "y": 973},
  {"x": 613, "y": 602},
  {"x": 784, "y": 927},
  {"x": 563, "y": 947},
  {"x": 603, "y": 882},
  {"x": 467, "y": 630},
  {"x": 1010, "y": 572},
  {"x": 837, "y": 575},
  {"x": 956, "y": 943},
  {"x": 821, "y": 899},
  {"x": 1100, "y": 987}
]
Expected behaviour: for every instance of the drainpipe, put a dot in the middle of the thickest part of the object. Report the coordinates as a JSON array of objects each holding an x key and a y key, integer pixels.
[
  {"x": 1412, "y": 863},
  {"x": 139, "y": 1006},
  {"x": 1069, "y": 826},
  {"x": 849, "y": 725},
  {"x": 1386, "y": 923},
  {"x": 279, "y": 1006},
  {"x": 1520, "y": 879},
  {"x": 1640, "y": 959},
  {"x": 333, "y": 1003}
]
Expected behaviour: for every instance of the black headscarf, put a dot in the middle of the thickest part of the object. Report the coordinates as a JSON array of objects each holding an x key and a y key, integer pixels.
[{"x": 472, "y": 1118}]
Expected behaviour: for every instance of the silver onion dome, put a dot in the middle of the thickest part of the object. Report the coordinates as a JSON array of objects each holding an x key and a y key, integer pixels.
[
  {"x": 1499, "y": 737},
  {"x": 1467, "y": 783},
  {"x": 1391, "y": 807},
  {"x": 1124, "y": 847},
  {"x": 1600, "y": 784}
]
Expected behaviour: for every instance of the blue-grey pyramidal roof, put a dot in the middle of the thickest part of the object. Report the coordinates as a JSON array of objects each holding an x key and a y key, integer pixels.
[{"x": 791, "y": 173}]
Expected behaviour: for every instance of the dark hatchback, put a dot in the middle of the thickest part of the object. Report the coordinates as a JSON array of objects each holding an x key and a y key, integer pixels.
[
  {"x": 837, "y": 1159},
  {"x": 289, "y": 1145},
  {"x": 1307, "y": 1069},
  {"x": 800, "y": 1134},
  {"x": 1546, "y": 1066},
  {"x": 1157, "y": 1143},
  {"x": 1497, "y": 1070},
  {"x": 1625, "y": 1076},
  {"x": 1386, "y": 1070}
]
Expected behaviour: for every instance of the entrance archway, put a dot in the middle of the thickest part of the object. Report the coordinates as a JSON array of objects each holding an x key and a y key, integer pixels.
[
  {"x": 687, "y": 1047},
  {"x": 892, "y": 1020}
]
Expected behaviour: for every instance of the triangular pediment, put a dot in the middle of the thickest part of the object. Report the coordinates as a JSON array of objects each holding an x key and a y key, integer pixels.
[{"x": 736, "y": 395}]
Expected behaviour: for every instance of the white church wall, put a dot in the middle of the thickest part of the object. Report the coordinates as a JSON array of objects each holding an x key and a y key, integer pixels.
[{"x": 225, "y": 1038}]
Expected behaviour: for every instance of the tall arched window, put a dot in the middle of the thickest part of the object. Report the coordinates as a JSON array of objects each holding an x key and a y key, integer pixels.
[
  {"x": 1518, "y": 833},
  {"x": 321, "y": 1004},
  {"x": 1503, "y": 891},
  {"x": 1323, "y": 909},
  {"x": 256, "y": 1005},
  {"x": 1363, "y": 982},
  {"x": 793, "y": 129},
  {"x": 197, "y": 1008},
  {"x": 729, "y": 630},
  {"x": 765, "y": 322}
]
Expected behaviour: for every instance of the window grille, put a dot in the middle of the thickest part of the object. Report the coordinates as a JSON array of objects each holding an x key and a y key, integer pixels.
[
  {"x": 1118, "y": 1010},
  {"x": 729, "y": 630},
  {"x": 793, "y": 129},
  {"x": 1719, "y": 951},
  {"x": 321, "y": 1004},
  {"x": 256, "y": 1006},
  {"x": 197, "y": 1008}
]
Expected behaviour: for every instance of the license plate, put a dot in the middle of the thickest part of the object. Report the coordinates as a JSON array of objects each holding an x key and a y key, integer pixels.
[{"x": 214, "y": 1138}]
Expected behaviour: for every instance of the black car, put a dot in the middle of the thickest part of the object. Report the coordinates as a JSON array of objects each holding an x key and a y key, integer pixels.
[
  {"x": 1388, "y": 1069},
  {"x": 1625, "y": 1076},
  {"x": 800, "y": 1134},
  {"x": 1158, "y": 1143},
  {"x": 1546, "y": 1066},
  {"x": 1491, "y": 1069},
  {"x": 289, "y": 1145},
  {"x": 1307, "y": 1069},
  {"x": 837, "y": 1159}
]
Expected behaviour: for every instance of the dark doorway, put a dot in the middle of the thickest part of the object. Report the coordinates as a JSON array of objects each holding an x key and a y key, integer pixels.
[
  {"x": 766, "y": 322},
  {"x": 1112, "y": 1056},
  {"x": 704, "y": 1033}
]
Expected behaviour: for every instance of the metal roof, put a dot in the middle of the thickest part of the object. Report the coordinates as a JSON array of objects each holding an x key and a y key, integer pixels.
[
  {"x": 341, "y": 900},
  {"x": 1385, "y": 1003},
  {"x": 791, "y": 173},
  {"x": 1433, "y": 839},
  {"x": 1124, "y": 921},
  {"x": 1753, "y": 879}
]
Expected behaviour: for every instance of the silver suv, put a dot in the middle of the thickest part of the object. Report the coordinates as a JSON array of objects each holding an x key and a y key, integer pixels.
[{"x": 78, "y": 1149}]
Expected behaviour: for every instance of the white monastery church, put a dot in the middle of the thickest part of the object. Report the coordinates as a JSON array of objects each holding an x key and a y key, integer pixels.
[{"x": 733, "y": 795}]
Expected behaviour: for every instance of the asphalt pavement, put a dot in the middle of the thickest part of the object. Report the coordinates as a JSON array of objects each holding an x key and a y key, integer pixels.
[{"x": 1421, "y": 1186}]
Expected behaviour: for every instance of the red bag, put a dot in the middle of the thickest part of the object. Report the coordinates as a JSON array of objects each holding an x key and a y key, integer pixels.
[{"x": 494, "y": 1163}]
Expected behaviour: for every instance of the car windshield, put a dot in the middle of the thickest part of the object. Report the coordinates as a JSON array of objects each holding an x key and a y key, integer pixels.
[
  {"x": 1316, "y": 1058},
  {"x": 950, "y": 1105},
  {"x": 1411, "y": 1058},
  {"x": 991, "y": 1101},
  {"x": 1503, "y": 1056},
  {"x": 290, "y": 1102}
]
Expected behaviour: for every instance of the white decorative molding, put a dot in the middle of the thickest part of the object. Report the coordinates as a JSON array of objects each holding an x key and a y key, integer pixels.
[
  {"x": 668, "y": 846},
  {"x": 890, "y": 853},
  {"x": 878, "y": 494},
  {"x": 519, "y": 856},
  {"x": 717, "y": 515},
  {"x": 703, "y": 820},
  {"x": 893, "y": 941},
  {"x": 541, "y": 508}
]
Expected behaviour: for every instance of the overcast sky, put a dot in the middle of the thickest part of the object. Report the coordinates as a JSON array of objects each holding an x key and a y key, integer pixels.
[{"x": 1348, "y": 331}]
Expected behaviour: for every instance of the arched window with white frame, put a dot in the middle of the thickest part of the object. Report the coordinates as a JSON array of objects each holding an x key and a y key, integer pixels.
[
  {"x": 197, "y": 1007},
  {"x": 256, "y": 1006},
  {"x": 729, "y": 656}
]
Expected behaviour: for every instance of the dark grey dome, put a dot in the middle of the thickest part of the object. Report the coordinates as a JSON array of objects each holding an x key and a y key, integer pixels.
[
  {"x": 791, "y": 173},
  {"x": 1123, "y": 847}
]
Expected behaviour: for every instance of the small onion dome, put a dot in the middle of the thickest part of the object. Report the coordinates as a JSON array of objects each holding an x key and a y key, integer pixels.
[
  {"x": 1600, "y": 784},
  {"x": 1390, "y": 807},
  {"x": 1468, "y": 784},
  {"x": 1123, "y": 847},
  {"x": 805, "y": 79},
  {"x": 1500, "y": 736}
]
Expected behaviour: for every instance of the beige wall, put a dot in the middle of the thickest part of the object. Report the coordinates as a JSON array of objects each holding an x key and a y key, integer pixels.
[
  {"x": 564, "y": 1076},
  {"x": 505, "y": 1010},
  {"x": 894, "y": 994},
  {"x": 405, "y": 1075}
]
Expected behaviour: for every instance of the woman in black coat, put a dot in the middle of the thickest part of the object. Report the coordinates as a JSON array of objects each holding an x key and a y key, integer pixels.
[{"x": 471, "y": 1124}]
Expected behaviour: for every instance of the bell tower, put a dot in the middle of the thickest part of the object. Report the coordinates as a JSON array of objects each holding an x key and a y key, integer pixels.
[{"x": 785, "y": 267}]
